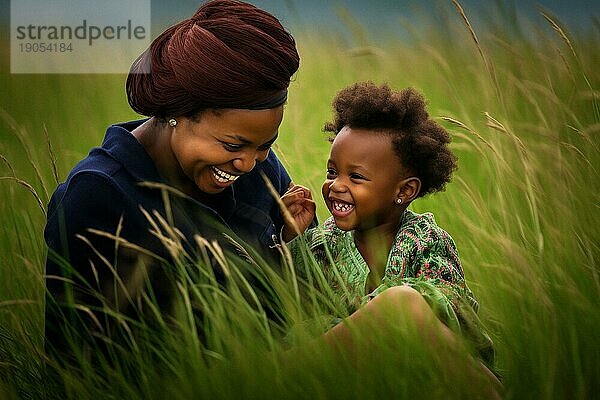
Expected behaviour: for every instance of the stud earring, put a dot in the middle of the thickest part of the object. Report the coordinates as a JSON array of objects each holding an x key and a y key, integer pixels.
[
  {"x": 398, "y": 200},
  {"x": 172, "y": 122}
]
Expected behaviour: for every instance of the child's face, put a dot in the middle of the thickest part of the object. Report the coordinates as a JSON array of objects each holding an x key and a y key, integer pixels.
[{"x": 363, "y": 180}]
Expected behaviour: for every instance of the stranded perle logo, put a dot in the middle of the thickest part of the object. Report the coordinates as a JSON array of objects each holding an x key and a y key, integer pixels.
[{"x": 84, "y": 31}]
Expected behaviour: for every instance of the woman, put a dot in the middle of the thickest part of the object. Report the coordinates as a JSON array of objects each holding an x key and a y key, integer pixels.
[{"x": 213, "y": 87}]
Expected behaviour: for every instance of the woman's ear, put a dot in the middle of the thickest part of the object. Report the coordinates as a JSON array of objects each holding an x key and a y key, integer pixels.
[{"x": 409, "y": 190}]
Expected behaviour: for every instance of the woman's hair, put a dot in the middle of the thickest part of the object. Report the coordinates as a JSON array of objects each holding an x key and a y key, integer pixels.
[
  {"x": 229, "y": 54},
  {"x": 420, "y": 143}
]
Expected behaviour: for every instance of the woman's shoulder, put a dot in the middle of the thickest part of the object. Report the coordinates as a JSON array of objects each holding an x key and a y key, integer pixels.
[
  {"x": 117, "y": 165},
  {"x": 93, "y": 178},
  {"x": 86, "y": 193},
  {"x": 100, "y": 181}
]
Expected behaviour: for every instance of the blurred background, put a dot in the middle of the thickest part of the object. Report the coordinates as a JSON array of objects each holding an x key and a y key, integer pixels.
[{"x": 516, "y": 83}]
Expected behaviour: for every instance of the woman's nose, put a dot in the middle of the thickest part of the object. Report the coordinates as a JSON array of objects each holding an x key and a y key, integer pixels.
[
  {"x": 244, "y": 164},
  {"x": 247, "y": 161}
]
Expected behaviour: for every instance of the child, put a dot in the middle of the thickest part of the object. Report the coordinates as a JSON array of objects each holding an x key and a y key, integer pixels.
[{"x": 386, "y": 152}]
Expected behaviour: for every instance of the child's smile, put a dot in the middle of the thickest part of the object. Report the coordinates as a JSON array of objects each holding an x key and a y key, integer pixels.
[{"x": 340, "y": 209}]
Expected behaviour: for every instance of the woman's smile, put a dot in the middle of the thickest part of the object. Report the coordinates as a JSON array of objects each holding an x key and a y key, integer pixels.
[
  {"x": 223, "y": 176},
  {"x": 214, "y": 149}
]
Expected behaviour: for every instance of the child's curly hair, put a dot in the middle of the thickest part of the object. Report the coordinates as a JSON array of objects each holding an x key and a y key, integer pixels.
[{"x": 420, "y": 142}]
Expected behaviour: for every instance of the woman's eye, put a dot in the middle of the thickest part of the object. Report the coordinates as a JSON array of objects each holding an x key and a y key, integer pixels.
[{"x": 232, "y": 146}]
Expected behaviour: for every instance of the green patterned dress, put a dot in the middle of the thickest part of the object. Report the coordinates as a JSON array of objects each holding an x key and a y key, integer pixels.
[{"x": 422, "y": 256}]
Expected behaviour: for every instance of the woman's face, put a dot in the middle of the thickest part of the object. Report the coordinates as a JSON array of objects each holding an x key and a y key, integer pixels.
[
  {"x": 363, "y": 180},
  {"x": 218, "y": 147}
]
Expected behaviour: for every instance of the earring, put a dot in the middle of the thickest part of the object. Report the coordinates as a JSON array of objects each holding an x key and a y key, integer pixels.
[
  {"x": 399, "y": 200},
  {"x": 172, "y": 122}
]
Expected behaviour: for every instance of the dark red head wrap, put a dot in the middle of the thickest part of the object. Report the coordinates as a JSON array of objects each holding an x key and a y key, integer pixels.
[{"x": 229, "y": 54}]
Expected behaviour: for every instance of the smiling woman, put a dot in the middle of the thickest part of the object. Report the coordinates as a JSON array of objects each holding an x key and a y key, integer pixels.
[
  {"x": 206, "y": 154},
  {"x": 214, "y": 100}
]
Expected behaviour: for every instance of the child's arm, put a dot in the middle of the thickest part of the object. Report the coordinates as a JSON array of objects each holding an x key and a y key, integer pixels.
[{"x": 299, "y": 213}]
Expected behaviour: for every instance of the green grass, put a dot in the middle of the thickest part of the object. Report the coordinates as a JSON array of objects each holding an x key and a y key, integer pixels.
[{"x": 524, "y": 113}]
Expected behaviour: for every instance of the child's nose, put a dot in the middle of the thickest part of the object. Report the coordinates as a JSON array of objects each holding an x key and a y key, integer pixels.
[{"x": 337, "y": 186}]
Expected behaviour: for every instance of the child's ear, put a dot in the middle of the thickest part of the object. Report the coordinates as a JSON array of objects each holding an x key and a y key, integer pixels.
[{"x": 409, "y": 189}]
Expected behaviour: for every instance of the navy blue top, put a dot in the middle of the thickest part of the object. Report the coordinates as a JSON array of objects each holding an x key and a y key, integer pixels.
[{"x": 103, "y": 192}]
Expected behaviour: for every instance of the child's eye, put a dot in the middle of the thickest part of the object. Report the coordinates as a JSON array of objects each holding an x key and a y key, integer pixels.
[
  {"x": 357, "y": 177},
  {"x": 331, "y": 173}
]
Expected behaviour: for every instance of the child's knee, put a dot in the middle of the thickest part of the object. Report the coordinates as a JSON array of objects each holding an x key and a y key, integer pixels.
[
  {"x": 403, "y": 294},
  {"x": 403, "y": 299}
]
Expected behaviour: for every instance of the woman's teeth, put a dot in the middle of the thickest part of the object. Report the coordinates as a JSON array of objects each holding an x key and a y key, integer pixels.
[{"x": 223, "y": 176}]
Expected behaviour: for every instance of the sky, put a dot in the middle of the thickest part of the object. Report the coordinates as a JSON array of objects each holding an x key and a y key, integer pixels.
[
  {"x": 375, "y": 15},
  {"x": 377, "y": 18},
  {"x": 383, "y": 15}
]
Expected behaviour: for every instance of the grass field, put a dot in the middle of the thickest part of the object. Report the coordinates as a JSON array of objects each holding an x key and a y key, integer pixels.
[{"x": 523, "y": 108}]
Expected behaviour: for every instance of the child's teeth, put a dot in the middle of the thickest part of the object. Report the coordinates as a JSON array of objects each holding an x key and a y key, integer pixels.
[{"x": 342, "y": 207}]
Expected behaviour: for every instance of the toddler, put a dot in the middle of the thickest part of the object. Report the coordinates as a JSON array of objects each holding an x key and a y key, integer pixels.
[{"x": 386, "y": 152}]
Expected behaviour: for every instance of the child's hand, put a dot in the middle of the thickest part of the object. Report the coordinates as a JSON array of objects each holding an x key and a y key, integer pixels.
[{"x": 300, "y": 211}]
